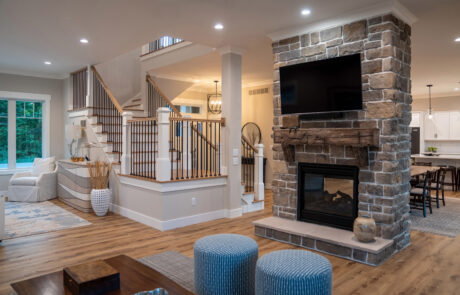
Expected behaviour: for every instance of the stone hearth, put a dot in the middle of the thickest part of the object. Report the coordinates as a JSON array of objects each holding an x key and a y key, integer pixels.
[{"x": 384, "y": 173}]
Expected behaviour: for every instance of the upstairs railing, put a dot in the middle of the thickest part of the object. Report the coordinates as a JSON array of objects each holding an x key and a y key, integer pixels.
[
  {"x": 143, "y": 147},
  {"x": 108, "y": 112},
  {"x": 248, "y": 153},
  {"x": 79, "y": 88},
  {"x": 163, "y": 42},
  {"x": 194, "y": 148}
]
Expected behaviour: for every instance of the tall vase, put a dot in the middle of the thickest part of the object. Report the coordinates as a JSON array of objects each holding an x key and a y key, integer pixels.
[
  {"x": 100, "y": 200},
  {"x": 364, "y": 229}
]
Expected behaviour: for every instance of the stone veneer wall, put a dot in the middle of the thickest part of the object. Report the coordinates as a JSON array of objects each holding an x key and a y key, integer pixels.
[{"x": 384, "y": 44}]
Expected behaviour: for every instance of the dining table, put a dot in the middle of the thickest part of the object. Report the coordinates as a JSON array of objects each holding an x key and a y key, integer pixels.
[{"x": 416, "y": 170}]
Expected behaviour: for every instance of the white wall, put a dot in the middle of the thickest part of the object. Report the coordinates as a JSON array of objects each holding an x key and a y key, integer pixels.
[
  {"x": 451, "y": 103},
  {"x": 58, "y": 106},
  {"x": 259, "y": 109},
  {"x": 123, "y": 75}
]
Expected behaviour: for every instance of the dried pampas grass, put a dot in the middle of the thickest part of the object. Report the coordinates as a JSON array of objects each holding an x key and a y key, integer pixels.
[{"x": 99, "y": 173}]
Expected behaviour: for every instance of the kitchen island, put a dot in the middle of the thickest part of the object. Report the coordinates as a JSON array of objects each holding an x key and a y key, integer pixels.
[{"x": 441, "y": 160}]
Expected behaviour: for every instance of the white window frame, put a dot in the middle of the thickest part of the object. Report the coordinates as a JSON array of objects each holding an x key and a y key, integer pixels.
[{"x": 12, "y": 97}]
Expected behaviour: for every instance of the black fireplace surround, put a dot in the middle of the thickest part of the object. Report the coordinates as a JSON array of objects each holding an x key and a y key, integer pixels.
[{"x": 327, "y": 194}]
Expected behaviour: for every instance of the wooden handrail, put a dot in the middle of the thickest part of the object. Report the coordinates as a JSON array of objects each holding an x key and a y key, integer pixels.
[
  {"x": 163, "y": 96},
  {"x": 143, "y": 119},
  {"x": 180, "y": 118},
  {"x": 78, "y": 71},
  {"x": 243, "y": 138},
  {"x": 109, "y": 93},
  {"x": 204, "y": 137},
  {"x": 198, "y": 120}
]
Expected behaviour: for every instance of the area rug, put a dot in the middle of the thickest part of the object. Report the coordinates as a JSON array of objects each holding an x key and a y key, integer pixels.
[
  {"x": 445, "y": 220},
  {"x": 173, "y": 265},
  {"x": 25, "y": 219}
]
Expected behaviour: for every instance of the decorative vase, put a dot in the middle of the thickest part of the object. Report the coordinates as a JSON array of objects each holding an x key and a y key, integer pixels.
[
  {"x": 100, "y": 200},
  {"x": 364, "y": 229}
]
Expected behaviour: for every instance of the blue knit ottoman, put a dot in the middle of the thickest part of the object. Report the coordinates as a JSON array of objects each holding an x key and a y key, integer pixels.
[
  {"x": 293, "y": 272},
  {"x": 225, "y": 264}
]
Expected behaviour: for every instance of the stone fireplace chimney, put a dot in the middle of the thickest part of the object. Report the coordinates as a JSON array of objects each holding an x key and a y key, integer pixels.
[{"x": 384, "y": 166}]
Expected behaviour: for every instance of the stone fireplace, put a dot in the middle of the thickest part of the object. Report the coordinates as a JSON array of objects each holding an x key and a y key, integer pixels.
[
  {"x": 373, "y": 143},
  {"x": 327, "y": 194}
]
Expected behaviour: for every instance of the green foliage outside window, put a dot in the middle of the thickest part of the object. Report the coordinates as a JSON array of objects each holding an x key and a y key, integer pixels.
[
  {"x": 28, "y": 131},
  {"x": 3, "y": 133}
]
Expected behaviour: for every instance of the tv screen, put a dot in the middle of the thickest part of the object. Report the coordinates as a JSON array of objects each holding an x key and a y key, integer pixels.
[{"x": 330, "y": 85}]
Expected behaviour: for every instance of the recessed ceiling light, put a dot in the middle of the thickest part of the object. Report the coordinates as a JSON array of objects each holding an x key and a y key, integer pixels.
[
  {"x": 47, "y": 63},
  {"x": 83, "y": 40},
  {"x": 457, "y": 39},
  {"x": 305, "y": 11},
  {"x": 218, "y": 26},
  {"x": 456, "y": 89}
]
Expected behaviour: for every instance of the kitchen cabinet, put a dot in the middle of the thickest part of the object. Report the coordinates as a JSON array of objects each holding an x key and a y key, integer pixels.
[
  {"x": 438, "y": 127},
  {"x": 454, "y": 125},
  {"x": 415, "y": 122}
]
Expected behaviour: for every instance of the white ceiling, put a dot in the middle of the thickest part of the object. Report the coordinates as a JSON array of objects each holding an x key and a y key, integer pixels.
[{"x": 34, "y": 31}]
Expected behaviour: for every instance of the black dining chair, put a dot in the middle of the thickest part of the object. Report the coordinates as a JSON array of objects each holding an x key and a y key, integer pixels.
[
  {"x": 421, "y": 196},
  {"x": 437, "y": 184}
]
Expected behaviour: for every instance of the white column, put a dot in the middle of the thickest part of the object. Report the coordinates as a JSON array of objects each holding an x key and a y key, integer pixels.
[
  {"x": 126, "y": 142},
  {"x": 163, "y": 166},
  {"x": 259, "y": 173},
  {"x": 231, "y": 111},
  {"x": 89, "y": 88},
  {"x": 144, "y": 89}
]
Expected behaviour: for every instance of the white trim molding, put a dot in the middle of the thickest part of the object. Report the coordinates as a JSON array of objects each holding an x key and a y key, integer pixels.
[
  {"x": 46, "y": 115},
  {"x": 173, "y": 185},
  {"x": 164, "y": 225},
  {"x": 385, "y": 7}
]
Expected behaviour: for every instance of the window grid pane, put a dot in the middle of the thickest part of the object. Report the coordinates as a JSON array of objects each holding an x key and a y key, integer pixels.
[
  {"x": 28, "y": 133},
  {"x": 3, "y": 134}
]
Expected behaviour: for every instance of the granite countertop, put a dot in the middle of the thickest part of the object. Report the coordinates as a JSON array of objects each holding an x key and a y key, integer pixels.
[{"x": 439, "y": 156}]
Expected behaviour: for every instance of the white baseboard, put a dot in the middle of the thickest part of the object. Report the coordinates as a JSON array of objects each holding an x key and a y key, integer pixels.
[
  {"x": 233, "y": 212},
  {"x": 177, "y": 222},
  {"x": 136, "y": 216}
]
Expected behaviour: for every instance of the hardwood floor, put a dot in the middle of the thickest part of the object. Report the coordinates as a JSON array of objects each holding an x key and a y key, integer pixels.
[{"x": 431, "y": 265}]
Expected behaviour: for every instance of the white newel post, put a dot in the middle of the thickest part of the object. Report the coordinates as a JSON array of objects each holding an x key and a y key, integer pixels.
[
  {"x": 89, "y": 88},
  {"x": 163, "y": 166},
  {"x": 259, "y": 172},
  {"x": 126, "y": 144}
]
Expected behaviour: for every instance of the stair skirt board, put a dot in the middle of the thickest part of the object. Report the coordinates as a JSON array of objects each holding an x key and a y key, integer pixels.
[{"x": 164, "y": 225}]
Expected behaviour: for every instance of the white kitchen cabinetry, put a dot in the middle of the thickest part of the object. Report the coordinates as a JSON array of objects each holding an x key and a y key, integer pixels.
[
  {"x": 415, "y": 122},
  {"x": 455, "y": 125},
  {"x": 443, "y": 126},
  {"x": 437, "y": 128}
]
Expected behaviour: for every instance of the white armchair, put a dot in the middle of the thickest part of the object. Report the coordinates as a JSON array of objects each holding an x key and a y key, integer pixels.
[
  {"x": 2, "y": 217},
  {"x": 35, "y": 186}
]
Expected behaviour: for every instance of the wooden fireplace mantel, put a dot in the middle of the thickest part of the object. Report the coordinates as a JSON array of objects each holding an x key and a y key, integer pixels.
[{"x": 357, "y": 138}]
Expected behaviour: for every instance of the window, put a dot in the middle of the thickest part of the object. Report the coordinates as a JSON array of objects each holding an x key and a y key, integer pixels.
[
  {"x": 24, "y": 129},
  {"x": 188, "y": 109},
  {"x": 28, "y": 132},
  {"x": 3, "y": 134}
]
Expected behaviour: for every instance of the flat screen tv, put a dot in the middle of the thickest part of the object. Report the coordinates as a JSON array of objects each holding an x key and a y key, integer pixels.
[{"x": 325, "y": 86}]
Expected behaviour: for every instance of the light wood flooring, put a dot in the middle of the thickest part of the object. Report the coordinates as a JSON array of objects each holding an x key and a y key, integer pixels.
[{"x": 431, "y": 265}]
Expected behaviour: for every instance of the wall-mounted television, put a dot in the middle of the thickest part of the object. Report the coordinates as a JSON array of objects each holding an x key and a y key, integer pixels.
[{"x": 330, "y": 85}]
